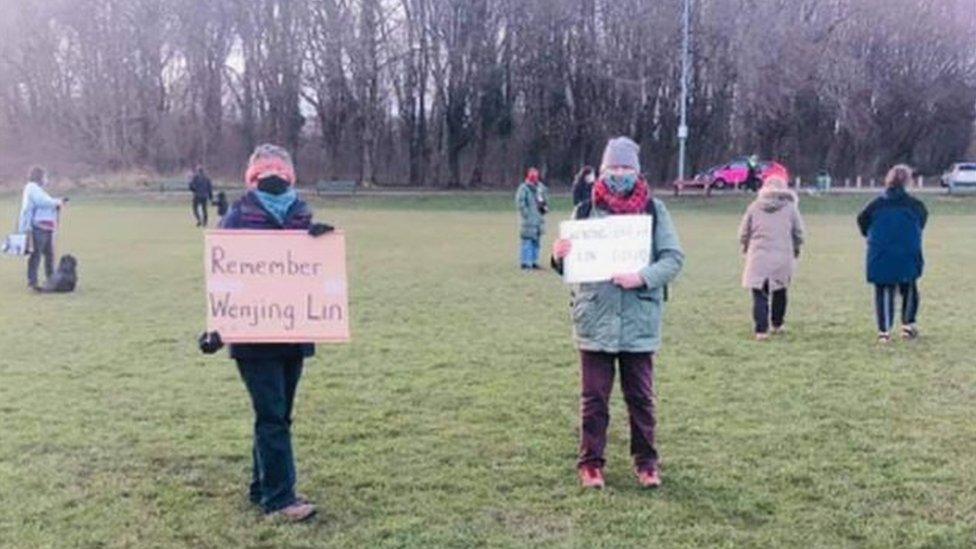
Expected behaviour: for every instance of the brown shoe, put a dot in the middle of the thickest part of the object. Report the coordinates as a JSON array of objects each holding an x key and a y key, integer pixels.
[
  {"x": 296, "y": 512},
  {"x": 649, "y": 477}
]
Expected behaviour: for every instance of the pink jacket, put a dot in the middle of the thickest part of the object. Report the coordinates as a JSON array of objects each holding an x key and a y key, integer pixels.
[{"x": 771, "y": 234}]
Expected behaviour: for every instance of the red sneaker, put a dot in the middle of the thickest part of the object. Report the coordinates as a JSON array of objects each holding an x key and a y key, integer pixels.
[
  {"x": 591, "y": 477},
  {"x": 649, "y": 477}
]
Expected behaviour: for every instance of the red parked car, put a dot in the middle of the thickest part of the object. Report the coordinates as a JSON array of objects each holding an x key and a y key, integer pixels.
[{"x": 733, "y": 175}]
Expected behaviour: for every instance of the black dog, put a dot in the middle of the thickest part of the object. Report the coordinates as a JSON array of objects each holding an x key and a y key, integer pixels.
[
  {"x": 65, "y": 278},
  {"x": 221, "y": 204}
]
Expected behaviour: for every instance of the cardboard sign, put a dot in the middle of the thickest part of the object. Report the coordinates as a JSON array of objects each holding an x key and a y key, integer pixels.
[
  {"x": 276, "y": 286},
  {"x": 606, "y": 246}
]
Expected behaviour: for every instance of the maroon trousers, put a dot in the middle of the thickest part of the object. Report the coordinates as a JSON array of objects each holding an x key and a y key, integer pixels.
[{"x": 637, "y": 382}]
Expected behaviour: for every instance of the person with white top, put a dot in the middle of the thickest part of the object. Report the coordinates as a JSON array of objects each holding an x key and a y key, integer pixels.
[{"x": 39, "y": 218}]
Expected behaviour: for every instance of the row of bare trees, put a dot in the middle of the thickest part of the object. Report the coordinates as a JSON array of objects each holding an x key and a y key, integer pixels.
[{"x": 468, "y": 92}]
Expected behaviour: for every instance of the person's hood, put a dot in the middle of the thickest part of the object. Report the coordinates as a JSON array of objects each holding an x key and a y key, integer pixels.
[{"x": 773, "y": 200}]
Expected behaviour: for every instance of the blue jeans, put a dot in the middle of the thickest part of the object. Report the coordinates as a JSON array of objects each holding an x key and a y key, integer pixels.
[
  {"x": 529, "y": 253},
  {"x": 272, "y": 385},
  {"x": 42, "y": 246}
]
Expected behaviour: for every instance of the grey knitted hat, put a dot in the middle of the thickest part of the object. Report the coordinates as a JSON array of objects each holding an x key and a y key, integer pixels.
[{"x": 621, "y": 151}]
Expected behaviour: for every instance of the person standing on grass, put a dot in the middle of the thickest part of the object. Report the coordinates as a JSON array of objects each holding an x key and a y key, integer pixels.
[
  {"x": 753, "y": 174},
  {"x": 771, "y": 234},
  {"x": 532, "y": 202},
  {"x": 893, "y": 224},
  {"x": 618, "y": 323},
  {"x": 271, "y": 371},
  {"x": 583, "y": 185},
  {"x": 39, "y": 219},
  {"x": 202, "y": 190}
]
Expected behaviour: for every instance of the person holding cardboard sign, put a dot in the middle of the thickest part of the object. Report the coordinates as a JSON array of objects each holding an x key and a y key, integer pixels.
[
  {"x": 271, "y": 371},
  {"x": 617, "y": 322}
]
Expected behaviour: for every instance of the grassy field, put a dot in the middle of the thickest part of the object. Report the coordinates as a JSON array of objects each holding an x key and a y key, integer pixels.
[{"x": 451, "y": 420}]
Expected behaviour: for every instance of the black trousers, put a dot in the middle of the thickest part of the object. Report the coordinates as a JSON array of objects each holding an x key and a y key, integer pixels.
[
  {"x": 884, "y": 304},
  {"x": 272, "y": 385},
  {"x": 200, "y": 210},
  {"x": 42, "y": 245},
  {"x": 763, "y": 311}
]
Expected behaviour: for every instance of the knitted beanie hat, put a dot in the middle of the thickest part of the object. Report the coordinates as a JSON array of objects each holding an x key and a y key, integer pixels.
[
  {"x": 621, "y": 151},
  {"x": 267, "y": 161}
]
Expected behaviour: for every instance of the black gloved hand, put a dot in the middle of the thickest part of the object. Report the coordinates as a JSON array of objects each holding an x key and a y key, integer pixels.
[
  {"x": 210, "y": 342},
  {"x": 319, "y": 229}
]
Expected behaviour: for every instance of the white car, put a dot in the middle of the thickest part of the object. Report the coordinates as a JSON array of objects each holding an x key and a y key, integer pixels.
[{"x": 960, "y": 176}]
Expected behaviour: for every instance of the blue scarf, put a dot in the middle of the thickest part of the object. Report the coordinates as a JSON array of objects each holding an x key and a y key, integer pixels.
[{"x": 277, "y": 204}]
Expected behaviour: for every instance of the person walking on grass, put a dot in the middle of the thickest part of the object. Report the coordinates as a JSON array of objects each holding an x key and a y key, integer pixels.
[
  {"x": 39, "y": 220},
  {"x": 202, "y": 190},
  {"x": 771, "y": 234},
  {"x": 617, "y": 324},
  {"x": 271, "y": 371},
  {"x": 532, "y": 203},
  {"x": 893, "y": 224}
]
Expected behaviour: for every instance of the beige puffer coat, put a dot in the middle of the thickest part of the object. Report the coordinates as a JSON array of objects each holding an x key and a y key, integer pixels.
[{"x": 771, "y": 234}]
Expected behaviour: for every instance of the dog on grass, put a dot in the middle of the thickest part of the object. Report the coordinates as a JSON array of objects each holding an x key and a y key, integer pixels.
[{"x": 65, "y": 278}]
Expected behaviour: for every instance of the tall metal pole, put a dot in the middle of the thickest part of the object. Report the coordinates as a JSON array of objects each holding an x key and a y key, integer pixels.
[{"x": 683, "y": 128}]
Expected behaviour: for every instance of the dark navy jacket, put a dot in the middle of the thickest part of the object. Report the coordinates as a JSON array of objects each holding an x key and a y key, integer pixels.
[
  {"x": 893, "y": 225},
  {"x": 201, "y": 187},
  {"x": 249, "y": 213}
]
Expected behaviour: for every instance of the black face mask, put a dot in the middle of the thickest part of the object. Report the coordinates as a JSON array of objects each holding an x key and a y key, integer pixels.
[{"x": 273, "y": 185}]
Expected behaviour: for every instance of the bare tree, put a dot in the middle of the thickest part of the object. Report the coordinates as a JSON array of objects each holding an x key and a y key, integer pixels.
[{"x": 468, "y": 92}]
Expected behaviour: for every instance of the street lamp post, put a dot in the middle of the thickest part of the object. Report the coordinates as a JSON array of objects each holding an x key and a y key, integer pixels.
[{"x": 683, "y": 128}]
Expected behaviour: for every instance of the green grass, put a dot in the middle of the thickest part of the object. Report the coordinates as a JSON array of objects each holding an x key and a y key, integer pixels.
[{"x": 451, "y": 420}]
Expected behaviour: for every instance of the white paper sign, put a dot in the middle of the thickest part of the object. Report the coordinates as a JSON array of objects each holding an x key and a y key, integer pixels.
[{"x": 605, "y": 247}]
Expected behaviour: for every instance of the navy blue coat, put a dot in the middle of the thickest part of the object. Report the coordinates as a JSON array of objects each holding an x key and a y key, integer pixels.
[
  {"x": 893, "y": 225},
  {"x": 249, "y": 213}
]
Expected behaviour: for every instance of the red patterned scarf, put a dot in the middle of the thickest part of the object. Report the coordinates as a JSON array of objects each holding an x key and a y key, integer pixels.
[{"x": 634, "y": 203}]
